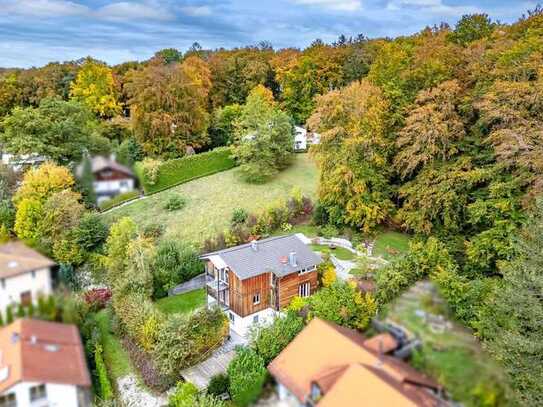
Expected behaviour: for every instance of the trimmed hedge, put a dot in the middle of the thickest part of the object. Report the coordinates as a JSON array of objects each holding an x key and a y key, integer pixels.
[
  {"x": 105, "y": 389},
  {"x": 181, "y": 170},
  {"x": 119, "y": 199}
]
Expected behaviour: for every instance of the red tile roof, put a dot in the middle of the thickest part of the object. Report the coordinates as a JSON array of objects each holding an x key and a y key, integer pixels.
[{"x": 44, "y": 352}]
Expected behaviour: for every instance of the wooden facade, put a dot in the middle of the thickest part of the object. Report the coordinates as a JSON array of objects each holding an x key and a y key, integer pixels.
[
  {"x": 272, "y": 292},
  {"x": 111, "y": 174}
]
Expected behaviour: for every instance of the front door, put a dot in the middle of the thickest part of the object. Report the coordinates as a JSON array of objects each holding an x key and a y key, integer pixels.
[{"x": 26, "y": 298}]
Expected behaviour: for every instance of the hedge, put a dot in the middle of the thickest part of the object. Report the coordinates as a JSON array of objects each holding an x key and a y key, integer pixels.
[
  {"x": 119, "y": 199},
  {"x": 105, "y": 389},
  {"x": 181, "y": 170}
]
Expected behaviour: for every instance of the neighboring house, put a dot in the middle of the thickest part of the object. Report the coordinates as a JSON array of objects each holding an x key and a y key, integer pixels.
[
  {"x": 42, "y": 364},
  {"x": 303, "y": 139},
  {"x": 254, "y": 281},
  {"x": 300, "y": 138},
  {"x": 25, "y": 274},
  {"x": 328, "y": 365},
  {"x": 110, "y": 178},
  {"x": 19, "y": 163}
]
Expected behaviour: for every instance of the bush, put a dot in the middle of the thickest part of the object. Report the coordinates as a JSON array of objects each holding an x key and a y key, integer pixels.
[
  {"x": 320, "y": 215},
  {"x": 185, "y": 340},
  {"x": 175, "y": 202},
  {"x": 218, "y": 385},
  {"x": 270, "y": 340},
  {"x": 186, "y": 395},
  {"x": 119, "y": 199},
  {"x": 181, "y": 170},
  {"x": 247, "y": 373},
  {"x": 105, "y": 389},
  {"x": 174, "y": 263},
  {"x": 153, "y": 230},
  {"x": 97, "y": 298},
  {"x": 91, "y": 233},
  {"x": 239, "y": 216},
  {"x": 150, "y": 168}
]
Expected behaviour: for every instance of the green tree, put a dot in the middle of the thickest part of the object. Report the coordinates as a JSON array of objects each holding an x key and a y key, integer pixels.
[
  {"x": 86, "y": 181},
  {"x": 264, "y": 138},
  {"x": 222, "y": 128},
  {"x": 95, "y": 87},
  {"x": 91, "y": 232},
  {"x": 121, "y": 234},
  {"x": 472, "y": 27},
  {"x": 56, "y": 129}
]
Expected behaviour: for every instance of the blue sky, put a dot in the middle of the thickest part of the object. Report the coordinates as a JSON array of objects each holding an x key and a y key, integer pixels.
[{"x": 34, "y": 32}]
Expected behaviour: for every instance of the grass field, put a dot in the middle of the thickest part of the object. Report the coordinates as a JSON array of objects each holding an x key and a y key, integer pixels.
[
  {"x": 182, "y": 303},
  {"x": 115, "y": 357},
  {"x": 389, "y": 243},
  {"x": 338, "y": 252},
  {"x": 211, "y": 201}
]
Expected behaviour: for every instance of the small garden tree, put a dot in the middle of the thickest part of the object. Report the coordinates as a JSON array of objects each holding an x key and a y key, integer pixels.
[{"x": 247, "y": 373}]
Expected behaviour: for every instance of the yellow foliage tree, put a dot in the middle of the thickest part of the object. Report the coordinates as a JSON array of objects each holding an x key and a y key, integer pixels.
[{"x": 95, "y": 87}]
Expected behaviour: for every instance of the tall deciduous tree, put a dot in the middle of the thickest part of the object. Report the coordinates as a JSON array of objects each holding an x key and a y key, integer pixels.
[
  {"x": 168, "y": 105},
  {"x": 352, "y": 156},
  {"x": 264, "y": 137},
  {"x": 95, "y": 87}
]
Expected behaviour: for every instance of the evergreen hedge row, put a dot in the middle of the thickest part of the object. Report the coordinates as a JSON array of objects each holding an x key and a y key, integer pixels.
[
  {"x": 181, "y": 170},
  {"x": 119, "y": 199}
]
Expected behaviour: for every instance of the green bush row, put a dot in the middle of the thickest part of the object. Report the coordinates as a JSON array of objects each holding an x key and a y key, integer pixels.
[
  {"x": 181, "y": 170},
  {"x": 119, "y": 199},
  {"x": 105, "y": 389}
]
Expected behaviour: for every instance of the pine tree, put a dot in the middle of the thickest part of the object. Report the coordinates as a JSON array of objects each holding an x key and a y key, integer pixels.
[{"x": 86, "y": 183}]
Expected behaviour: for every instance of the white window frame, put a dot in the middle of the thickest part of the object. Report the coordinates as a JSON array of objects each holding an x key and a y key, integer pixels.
[
  {"x": 307, "y": 270},
  {"x": 304, "y": 289},
  {"x": 256, "y": 298}
]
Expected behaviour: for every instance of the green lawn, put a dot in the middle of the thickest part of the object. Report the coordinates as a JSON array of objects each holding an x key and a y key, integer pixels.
[
  {"x": 211, "y": 200},
  {"x": 115, "y": 357},
  {"x": 389, "y": 243},
  {"x": 182, "y": 303},
  {"x": 454, "y": 357},
  {"x": 338, "y": 252}
]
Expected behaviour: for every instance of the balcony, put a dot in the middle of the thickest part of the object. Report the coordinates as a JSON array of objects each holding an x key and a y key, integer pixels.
[{"x": 218, "y": 290}]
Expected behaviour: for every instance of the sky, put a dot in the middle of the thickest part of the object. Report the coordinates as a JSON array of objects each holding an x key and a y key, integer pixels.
[{"x": 35, "y": 32}]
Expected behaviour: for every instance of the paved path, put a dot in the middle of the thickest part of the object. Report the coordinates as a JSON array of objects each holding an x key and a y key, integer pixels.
[
  {"x": 194, "y": 284},
  {"x": 133, "y": 395},
  {"x": 217, "y": 363}
]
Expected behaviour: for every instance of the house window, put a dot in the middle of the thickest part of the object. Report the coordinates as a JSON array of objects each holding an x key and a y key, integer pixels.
[
  {"x": 38, "y": 393},
  {"x": 304, "y": 290},
  {"x": 256, "y": 298},
  {"x": 33, "y": 273},
  {"x": 123, "y": 184},
  {"x": 3, "y": 282},
  {"x": 231, "y": 316},
  {"x": 255, "y": 319},
  {"x": 26, "y": 298},
  {"x": 8, "y": 400}
]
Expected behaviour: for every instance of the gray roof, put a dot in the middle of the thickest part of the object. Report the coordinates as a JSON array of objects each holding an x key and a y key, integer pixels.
[{"x": 245, "y": 262}]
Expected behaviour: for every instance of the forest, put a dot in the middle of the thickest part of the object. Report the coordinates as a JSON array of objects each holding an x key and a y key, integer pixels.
[{"x": 438, "y": 134}]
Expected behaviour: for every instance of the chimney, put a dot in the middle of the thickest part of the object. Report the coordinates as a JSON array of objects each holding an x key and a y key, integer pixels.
[
  {"x": 254, "y": 245},
  {"x": 292, "y": 259}
]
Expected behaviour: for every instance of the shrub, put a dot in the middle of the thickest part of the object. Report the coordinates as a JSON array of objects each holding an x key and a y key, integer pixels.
[
  {"x": 320, "y": 215},
  {"x": 105, "y": 389},
  {"x": 119, "y": 199},
  {"x": 91, "y": 233},
  {"x": 9, "y": 315},
  {"x": 150, "y": 168},
  {"x": 186, "y": 395},
  {"x": 175, "y": 202},
  {"x": 153, "y": 230},
  {"x": 328, "y": 231},
  {"x": 247, "y": 374},
  {"x": 239, "y": 216},
  {"x": 186, "y": 339},
  {"x": 270, "y": 340},
  {"x": 97, "y": 298},
  {"x": 328, "y": 276},
  {"x": 174, "y": 263},
  {"x": 180, "y": 170},
  {"x": 218, "y": 385}
]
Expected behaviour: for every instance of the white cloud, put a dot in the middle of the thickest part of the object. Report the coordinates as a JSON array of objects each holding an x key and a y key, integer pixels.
[
  {"x": 134, "y": 11},
  {"x": 431, "y": 7},
  {"x": 340, "y": 5},
  {"x": 42, "y": 8},
  {"x": 196, "y": 11}
]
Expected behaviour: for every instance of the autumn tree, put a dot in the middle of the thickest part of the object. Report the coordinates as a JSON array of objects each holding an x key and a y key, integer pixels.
[
  {"x": 95, "y": 87},
  {"x": 472, "y": 27},
  {"x": 168, "y": 104},
  {"x": 352, "y": 156},
  {"x": 432, "y": 129}
]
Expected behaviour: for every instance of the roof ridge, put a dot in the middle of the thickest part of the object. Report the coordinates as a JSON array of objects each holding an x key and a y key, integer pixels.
[{"x": 245, "y": 245}]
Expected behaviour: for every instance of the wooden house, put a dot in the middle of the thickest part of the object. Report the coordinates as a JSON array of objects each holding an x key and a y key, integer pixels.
[{"x": 254, "y": 281}]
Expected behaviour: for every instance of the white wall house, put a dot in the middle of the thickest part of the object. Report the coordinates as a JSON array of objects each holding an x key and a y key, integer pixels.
[
  {"x": 110, "y": 178},
  {"x": 42, "y": 364},
  {"x": 25, "y": 274},
  {"x": 300, "y": 138}
]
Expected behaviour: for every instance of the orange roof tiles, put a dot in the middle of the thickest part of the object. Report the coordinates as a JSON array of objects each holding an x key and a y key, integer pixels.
[
  {"x": 17, "y": 258},
  {"x": 347, "y": 371},
  {"x": 40, "y": 351}
]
